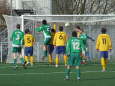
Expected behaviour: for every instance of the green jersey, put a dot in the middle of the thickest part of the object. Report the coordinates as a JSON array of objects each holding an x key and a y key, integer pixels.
[
  {"x": 46, "y": 29},
  {"x": 17, "y": 38},
  {"x": 74, "y": 45},
  {"x": 83, "y": 37}
]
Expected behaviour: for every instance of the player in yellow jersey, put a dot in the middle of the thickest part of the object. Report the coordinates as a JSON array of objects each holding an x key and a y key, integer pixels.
[
  {"x": 103, "y": 44},
  {"x": 60, "y": 42},
  {"x": 28, "y": 44},
  {"x": 51, "y": 46}
]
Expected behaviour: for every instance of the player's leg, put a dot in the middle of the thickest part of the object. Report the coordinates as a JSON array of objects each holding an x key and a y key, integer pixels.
[
  {"x": 103, "y": 64},
  {"x": 106, "y": 58},
  {"x": 45, "y": 47},
  {"x": 57, "y": 56},
  {"x": 14, "y": 51},
  {"x": 65, "y": 60},
  {"x": 15, "y": 58},
  {"x": 77, "y": 63},
  {"x": 78, "y": 72},
  {"x": 26, "y": 57},
  {"x": 57, "y": 60},
  {"x": 64, "y": 55},
  {"x": 50, "y": 51},
  {"x": 20, "y": 55},
  {"x": 31, "y": 55},
  {"x": 70, "y": 63},
  {"x": 67, "y": 76},
  {"x": 50, "y": 58}
]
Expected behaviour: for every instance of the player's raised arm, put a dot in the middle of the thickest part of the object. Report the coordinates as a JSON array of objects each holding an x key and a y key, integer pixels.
[{"x": 92, "y": 39}]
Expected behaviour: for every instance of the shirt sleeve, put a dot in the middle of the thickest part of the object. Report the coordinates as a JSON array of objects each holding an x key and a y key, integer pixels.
[
  {"x": 110, "y": 42},
  {"x": 68, "y": 47},
  {"x": 97, "y": 42},
  {"x": 39, "y": 29},
  {"x": 82, "y": 46}
]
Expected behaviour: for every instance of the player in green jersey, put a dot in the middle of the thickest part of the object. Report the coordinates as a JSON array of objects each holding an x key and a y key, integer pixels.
[
  {"x": 73, "y": 49},
  {"x": 84, "y": 37},
  {"x": 46, "y": 29},
  {"x": 17, "y": 42}
]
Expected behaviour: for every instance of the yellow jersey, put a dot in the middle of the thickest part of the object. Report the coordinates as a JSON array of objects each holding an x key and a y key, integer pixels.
[
  {"x": 28, "y": 40},
  {"x": 103, "y": 42},
  {"x": 60, "y": 39}
]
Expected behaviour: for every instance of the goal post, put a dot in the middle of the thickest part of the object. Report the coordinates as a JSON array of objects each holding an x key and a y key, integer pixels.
[{"x": 92, "y": 25}]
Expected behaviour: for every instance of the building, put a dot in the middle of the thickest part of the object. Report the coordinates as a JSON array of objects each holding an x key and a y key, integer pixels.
[{"x": 31, "y": 6}]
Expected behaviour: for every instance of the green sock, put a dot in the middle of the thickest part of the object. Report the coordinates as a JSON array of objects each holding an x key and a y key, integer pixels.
[
  {"x": 45, "y": 52},
  {"x": 78, "y": 72},
  {"x": 15, "y": 61},
  {"x": 22, "y": 60},
  {"x": 67, "y": 72}
]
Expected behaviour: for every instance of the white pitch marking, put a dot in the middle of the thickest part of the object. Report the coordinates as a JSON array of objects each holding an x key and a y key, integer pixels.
[{"x": 49, "y": 73}]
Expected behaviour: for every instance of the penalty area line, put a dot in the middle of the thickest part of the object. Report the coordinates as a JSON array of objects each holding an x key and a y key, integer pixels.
[{"x": 51, "y": 73}]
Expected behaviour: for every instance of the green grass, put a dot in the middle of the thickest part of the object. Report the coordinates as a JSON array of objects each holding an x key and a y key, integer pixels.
[{"x": 45, "y": 75}]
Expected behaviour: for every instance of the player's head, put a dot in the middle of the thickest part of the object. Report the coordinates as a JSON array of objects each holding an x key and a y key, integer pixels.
[
  {"x": 53, "y": 30},
  {"x": 60, "y": 28},
  {"x": 18, "y": 26},
  {"x": 27, "y": 31},
  {"x": 74, "y": 34},
  {"x": 44, "y": 22},
  {"x": 78, "y": 29},
  {"x": 103, "y": 30}
]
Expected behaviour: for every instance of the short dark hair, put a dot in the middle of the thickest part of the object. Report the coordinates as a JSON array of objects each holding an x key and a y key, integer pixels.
[
  {"x": 53, "y": 30},
  {"x": 27, "y": 31},
  {"x": 18, "y": 26},
  {"x": 78, "y": 27},
  {"x": 60, "y": 28},
  {"x": 44, "y": 22},
  {"x": 103, "y": 30},
  {"x": 74, "y": 34}
]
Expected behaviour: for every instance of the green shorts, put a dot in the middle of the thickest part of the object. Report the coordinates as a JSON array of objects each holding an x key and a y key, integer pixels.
[
  {"x": 47, "y": 41},
  {"x": 74, "y": 59},
  {"x": 17, "y": 49}
]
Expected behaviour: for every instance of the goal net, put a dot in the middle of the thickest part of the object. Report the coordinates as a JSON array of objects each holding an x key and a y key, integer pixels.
[{"x": 91, "y": 24}]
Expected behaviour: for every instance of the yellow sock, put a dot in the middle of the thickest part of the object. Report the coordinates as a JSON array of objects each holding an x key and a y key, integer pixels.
[
  {"x": 50, "y": 59},
  {"x": 106, "y": 61},
  {"x": 103, "y": 63},
  {"x": 65, "y": 59},
  {"x": 57, "y": 60},
  {"x": 31, "y": 59},
  {"x": 26, "y": 59}
]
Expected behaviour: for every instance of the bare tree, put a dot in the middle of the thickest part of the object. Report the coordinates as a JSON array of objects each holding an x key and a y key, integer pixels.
[
  {"x": 3, "y": 10},
  {"x": 83, "y": 6}
]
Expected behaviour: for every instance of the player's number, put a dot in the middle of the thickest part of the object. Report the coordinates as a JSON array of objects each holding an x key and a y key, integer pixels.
[
  {"x": 28, "y": 40},
  {"x": 61, "y": 37},
  {"x": 76, "y": 45},
  {"x": 48, "y": 29},
  {"x": 104, "y": 40},
  {"x": 18, "y": 37}
]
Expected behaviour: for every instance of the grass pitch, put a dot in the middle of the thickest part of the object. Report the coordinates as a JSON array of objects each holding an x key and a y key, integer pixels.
[{"x": 44, "y": 75}]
